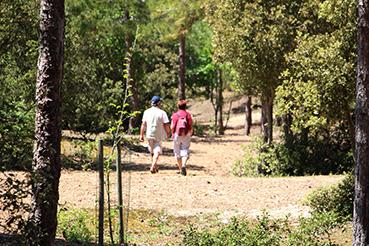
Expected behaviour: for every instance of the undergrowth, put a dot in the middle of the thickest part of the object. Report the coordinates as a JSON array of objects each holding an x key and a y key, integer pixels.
[{"x": 315, "y": 230}]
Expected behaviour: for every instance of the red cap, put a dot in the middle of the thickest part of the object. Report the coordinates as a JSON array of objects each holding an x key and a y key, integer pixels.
[{"x": 182, "y": 102}]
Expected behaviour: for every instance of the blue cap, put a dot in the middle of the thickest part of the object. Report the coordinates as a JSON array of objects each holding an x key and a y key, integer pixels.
[{"x": 155, "y": 100}]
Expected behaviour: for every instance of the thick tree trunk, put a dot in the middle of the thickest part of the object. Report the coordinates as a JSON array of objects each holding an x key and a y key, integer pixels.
[
  {"x": 248, "y": 114},
  {"x": 361, "y": 203},
  {"x": 182, "y": 68},
  {"x": 220, "y": 102},
  {"x": 267, "y": 118},
  {"x": 46, "y": 160}
]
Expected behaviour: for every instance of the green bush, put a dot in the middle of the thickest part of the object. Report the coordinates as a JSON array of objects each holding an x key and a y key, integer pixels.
[
  {"x": 248, "y": 166},
  {"x": 315, "y": 230},
  {"x": 336, "y": 198},
  {"x": 16, "y": 135},
  {"x": 297, "y": 155},
  {"x": 75, "y": 226}
]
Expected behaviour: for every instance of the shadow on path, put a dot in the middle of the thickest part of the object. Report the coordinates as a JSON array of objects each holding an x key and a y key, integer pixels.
[{"x": 146, "y": 167}]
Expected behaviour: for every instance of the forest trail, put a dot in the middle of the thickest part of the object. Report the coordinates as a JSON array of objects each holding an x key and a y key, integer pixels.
[{"x": 209, "y": 187}]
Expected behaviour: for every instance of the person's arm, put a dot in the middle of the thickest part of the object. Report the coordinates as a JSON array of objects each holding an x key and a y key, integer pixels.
[
  {"x": 167, "y": 129},
  {"x": 166, "y": 123},
  {"x": 190, "y": 123},
  {"x": 142, "y": 131}
]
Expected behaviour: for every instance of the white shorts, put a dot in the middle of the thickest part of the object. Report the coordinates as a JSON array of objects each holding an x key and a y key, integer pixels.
[
  {"x": 181, "y": 146},
  {"x": 154, "y": 146}
]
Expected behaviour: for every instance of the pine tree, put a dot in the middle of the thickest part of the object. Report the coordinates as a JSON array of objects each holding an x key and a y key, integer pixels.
[{"x": 46, "y": 160}]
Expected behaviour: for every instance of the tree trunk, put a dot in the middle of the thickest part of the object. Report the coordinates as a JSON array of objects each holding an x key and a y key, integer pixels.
[
  {"x": 287, "y": 123},
  {"x": 248, "y": 114},
  {"x": 134, "y": 99},
  {"x": 46, "y": 159},
  {"x": 361, "y": 203},
  {"x": 267, "y": 118},
  {"x": 263, "y": 122},
  {"x": 220, "y": 102},
  {"x": 351, "y": 126},
  {"x": 182, "y": 68}
]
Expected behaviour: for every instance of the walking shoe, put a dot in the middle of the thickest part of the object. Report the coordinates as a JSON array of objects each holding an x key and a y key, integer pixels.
[
  {"x": 154, "y": 169},
  {"x": 183, "y": 171}
]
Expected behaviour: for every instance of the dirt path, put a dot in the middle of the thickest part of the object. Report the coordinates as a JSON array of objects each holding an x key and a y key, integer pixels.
[{"x": 209, "y": 186}]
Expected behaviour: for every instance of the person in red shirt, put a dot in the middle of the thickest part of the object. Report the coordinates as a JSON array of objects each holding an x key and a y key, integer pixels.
[{"x": 181, "y": 132}]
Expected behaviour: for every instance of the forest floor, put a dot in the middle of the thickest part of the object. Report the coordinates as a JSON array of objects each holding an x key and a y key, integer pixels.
[{"x": 209, "y": 186}]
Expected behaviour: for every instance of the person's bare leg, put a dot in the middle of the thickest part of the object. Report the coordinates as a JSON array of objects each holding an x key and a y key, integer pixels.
[
  {"x": 184, "y": 164},
  {"x": 179, "y": 163},
  {"x": 154, "y": 161}
]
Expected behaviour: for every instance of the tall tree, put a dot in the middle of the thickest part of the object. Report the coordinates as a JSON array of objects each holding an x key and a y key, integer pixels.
[
  {"x": 361, "y": 203},
  {"x": 179, "y": 17},
  {"x": 254, "y": 36},
  {"x": 46, "y": 160}
]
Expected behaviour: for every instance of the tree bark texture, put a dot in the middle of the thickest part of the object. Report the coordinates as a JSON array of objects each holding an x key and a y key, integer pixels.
[
  {"x": 267, "y": 118},
  {"x": 46, "y": 159},
  {"x": 220, "y": 101},
  {"x": 248, "y": 114},
  {"x": 182, "y": 67},
  {"x": 361, "y": 202}
]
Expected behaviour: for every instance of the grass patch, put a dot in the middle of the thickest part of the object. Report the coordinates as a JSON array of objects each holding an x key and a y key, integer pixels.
[{"x": 148, "y": 227}]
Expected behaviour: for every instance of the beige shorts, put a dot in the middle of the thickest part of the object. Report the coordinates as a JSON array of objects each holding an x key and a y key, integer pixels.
[
  {"x": 154, "y": 146},
  {"x": 181, "y": 146}
]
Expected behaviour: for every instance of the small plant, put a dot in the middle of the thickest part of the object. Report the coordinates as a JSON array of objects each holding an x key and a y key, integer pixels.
[
  {"x": 338, "y": 198},
  {"x": 75, "y": 225},
  {"x": 250, "y": 163},
  {"x": 83, "y": 156},
  {"x": 200, "y": 130},
  {"x": 315, "y": 230}
]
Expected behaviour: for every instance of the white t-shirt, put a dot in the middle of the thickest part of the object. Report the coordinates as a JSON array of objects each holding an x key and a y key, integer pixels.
[{"x": 155, "y": 119}]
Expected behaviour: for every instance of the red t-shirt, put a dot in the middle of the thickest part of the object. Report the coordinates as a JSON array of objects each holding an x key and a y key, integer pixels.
[{"x": 177, "y": 115}]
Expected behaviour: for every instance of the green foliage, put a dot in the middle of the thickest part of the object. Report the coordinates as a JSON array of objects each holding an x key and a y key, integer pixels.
[
  {"x": 310, "y": 92},
  {"x": 338, "y": 199},
  {"x": 315, "y": 230},
  {"x": 297, "y": 155},
  {"x": 75, "y": 225},
  {"x": 248, "y": 166},
  {"x": 81, "y": 155},
  {"x": 200, "y": 68},
  {"x": 254, "y": 37},
  {"x": 16, "y": 129},
  {"x": 317, "y": 93},
  {"x": 18, "y": 58}
]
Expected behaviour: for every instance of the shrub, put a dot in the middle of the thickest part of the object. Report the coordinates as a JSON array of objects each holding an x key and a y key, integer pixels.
[
  {"x": 16, "y": 136},
  {"x": 74, "y": 225},
  {"x": 250, "y": 163},
  {"x": 295, "y": 156},
  {"x": 336, "y": 198},
  {"x": 315, "y": 230}
]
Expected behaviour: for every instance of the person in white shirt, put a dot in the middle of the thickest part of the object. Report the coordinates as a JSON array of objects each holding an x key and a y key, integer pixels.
[{"x": 157, "y": 126}]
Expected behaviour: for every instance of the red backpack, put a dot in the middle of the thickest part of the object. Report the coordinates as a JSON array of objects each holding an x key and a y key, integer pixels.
[{"x": 182, "y": 125}]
